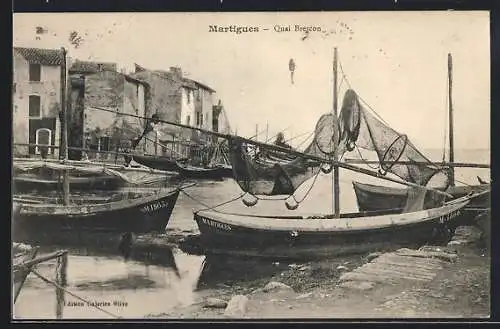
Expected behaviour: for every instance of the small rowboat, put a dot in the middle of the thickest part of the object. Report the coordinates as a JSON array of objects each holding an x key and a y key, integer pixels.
[
  {"x": 217, "y": 172},
  {"x": 24, "y": 183},
  {"x": 123, "y": 212},
  {"x": 376, "y": 197},
  {"x": 155, "y": 162},
  {"x": 322, "y": 236}
]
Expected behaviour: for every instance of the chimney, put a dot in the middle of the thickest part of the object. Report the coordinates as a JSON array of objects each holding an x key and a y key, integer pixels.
[{"x": 176, "y": 71}]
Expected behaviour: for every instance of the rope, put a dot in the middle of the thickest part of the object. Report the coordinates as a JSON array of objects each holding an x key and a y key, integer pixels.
[
  {"x": 362, "y": 158},
  {"x": 309, "y": 189},
  {"x": 211, "y": 207},
  {"x": 366, "y": 103},
  {"x": 305, "y": 140},
  {"x": 456, "y": 180},
  {"x": 72, "y": 294}
]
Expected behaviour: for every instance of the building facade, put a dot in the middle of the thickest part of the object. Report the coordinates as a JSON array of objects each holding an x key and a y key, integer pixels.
[
  {"x": 181, "y": 100},
  {"x": 36, "y": 100},
  {"x": 98, "y": 102}
]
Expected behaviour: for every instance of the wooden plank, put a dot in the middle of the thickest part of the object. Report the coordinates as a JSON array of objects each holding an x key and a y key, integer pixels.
[
  {"x": 427, "y": 254},
  {"x": 410, "y": 262},
  {"x": 409, "y": 265},
  {"x": 412, "y": 259},
  {"x": 354, "y": 276},
  {"x": 399, "y": 269},
  {"x": 405, "y": 267},
  {"x": 392, "y": 274},
  {"x": 401, "y": 272}
]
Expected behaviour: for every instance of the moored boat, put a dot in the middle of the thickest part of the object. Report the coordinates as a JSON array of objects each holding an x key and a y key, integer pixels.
[
  {"x": 24, "y": 183},
  {"x": 121, "y": 213},
  {"x": 424, "y": 216},
  {"x": 375, "y": 197},
  {"x": 155, "y": 162},
  {"x": 46, "y": 176},
  {"x": 216, "y": 172},
  {"x": 322, "y": 235}
]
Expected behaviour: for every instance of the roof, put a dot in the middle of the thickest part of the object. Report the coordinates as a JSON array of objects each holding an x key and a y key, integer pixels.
[
  {"x": 41, "y": 56},
  {"x": 169, "y": 75},
  {"x": 199, "y": 84},
  {"x": 91, "y": 67},
  {"x": 126, "y": 76},
  {"x": 188, "y": 84}
]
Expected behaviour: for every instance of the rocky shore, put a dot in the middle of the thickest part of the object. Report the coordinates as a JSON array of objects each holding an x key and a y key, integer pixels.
[{"x": 450, "y": 281}]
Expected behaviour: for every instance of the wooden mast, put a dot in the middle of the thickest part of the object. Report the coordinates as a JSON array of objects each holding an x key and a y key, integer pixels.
[
  {"x": 450, "y": 120},
  {"x": 336, "y": 192},
  {"x": 64, "y": 127}
]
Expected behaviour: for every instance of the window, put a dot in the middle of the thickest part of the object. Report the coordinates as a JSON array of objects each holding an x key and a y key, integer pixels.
[
  {"x": 34, "y": 106},
  {"x": 43, "y": 136},
  {"x": 35, "y": 72},
  {"x": 103, "y": 143},
  {"x": 188, "y": 92},
  {"x": 188, "y": 120},
  {"x": 199, "y": 118}
]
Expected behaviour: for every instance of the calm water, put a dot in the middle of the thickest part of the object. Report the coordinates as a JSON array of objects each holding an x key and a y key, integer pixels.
[{"x": 138, "y": 289}]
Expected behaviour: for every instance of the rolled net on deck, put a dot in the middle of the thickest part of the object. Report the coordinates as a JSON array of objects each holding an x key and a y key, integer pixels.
[
  {"x": 396, "y": 154},
  {"x": 262, "y": 170}
]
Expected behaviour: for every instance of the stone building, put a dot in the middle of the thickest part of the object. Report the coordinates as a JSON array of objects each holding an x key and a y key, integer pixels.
[
  {"x": 36, "y": 99},
  {"x": 181, "y": 100},
  {"x": 97, "y": 101}
]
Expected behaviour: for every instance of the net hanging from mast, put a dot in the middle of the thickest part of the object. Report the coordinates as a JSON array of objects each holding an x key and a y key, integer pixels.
[
  {"x": 396, "y": 153},
  {"x": 267, "y": 172}
]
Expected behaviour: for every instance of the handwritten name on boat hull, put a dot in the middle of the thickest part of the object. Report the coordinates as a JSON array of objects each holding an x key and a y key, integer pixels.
[
  {"x": 155, "y": 206},
  {"x": 445, "y": 218},
  {"x": 216, "y": 225}
]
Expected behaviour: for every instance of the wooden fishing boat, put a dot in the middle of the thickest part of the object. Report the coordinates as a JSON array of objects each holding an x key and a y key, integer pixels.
[
  {"x": 424, "y": 216},
  {"x": 123, "y": 212},
  {"x": 159, "y": 163},
  {"x": 375, "y": 197},
  {"x": 33, "y": 182},
  {"x": 321, "y": 236},
  {"x": 47, "y": 176},
  {"x": 216, "y": 172}
]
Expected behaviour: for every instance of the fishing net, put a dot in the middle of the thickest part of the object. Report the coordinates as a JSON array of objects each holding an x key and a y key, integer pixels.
[
  {"x": 396, "y": 154},
  {"x": 263, "y": 170}
]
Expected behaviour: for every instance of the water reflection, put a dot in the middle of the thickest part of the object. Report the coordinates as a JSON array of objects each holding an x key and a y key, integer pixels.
[{"x": 125, "y": 288}]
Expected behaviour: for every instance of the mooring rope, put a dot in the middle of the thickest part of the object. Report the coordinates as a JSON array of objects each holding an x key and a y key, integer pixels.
[
  {"x": 72, "y": 294},
  {"x": 208, "y": 207}
]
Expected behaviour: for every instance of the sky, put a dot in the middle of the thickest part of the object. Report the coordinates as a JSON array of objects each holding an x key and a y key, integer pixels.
[{"x": 396, "y": 62}]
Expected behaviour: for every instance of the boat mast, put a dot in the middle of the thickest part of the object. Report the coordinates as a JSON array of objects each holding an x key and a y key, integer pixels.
[
  {"x": 64, "y": 127},
  {"x": 450, "y": 120},
  {"x": 336, "y": 198}
]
